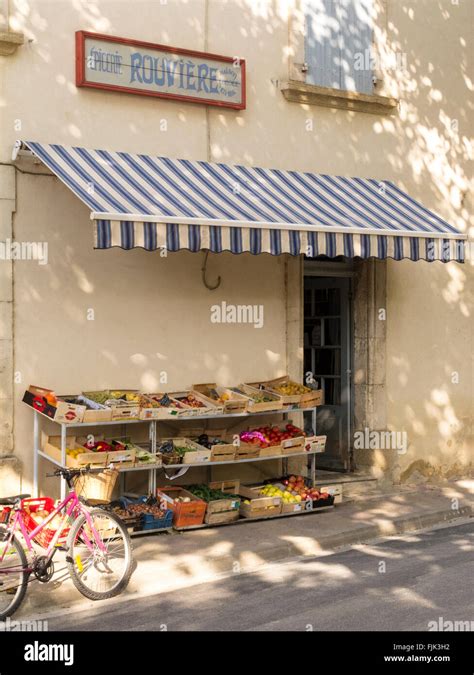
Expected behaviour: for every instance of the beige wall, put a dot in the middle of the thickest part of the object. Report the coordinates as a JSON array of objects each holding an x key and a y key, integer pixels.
[{"x": 140, "y": 299}]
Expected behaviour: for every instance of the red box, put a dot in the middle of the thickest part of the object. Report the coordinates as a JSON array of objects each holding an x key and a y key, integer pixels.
[
  {"x": 60, "y": 411},
  {"x": 185, "y": 514},
  {"x": 44, "y": 537}
]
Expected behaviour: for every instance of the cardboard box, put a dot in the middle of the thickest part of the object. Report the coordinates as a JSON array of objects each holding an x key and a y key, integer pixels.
[
  {"x": 42, "y": 400},
  {"x": 102, "y": 414},
  {"x": 334, "y": 490}
]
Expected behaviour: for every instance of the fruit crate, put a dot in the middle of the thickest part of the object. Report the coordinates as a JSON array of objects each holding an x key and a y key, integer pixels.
[
  {"x": 315, "y": 443},
  {"x": 151, "y": 408},
  {"x": 205, "y": 407},
  {"x": 246, "y": 451},
  {"x": 230, "y": 487},
  {"x": 274, "y": 403},
  {"x": 293, "y": 508},
  {"x": 259, "y": 507},
  {"x": 185, "y": 514},
  {"x": 230, "y": 401},
  {"x": 223, "y": 452},
  {"x": 45, "y": 536},
  {"x": 195, "y": 455},
  {"x": 308, "y": 399}
]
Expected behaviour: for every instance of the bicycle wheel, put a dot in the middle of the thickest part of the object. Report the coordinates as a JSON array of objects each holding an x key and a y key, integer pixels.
[
  {"x": 13, "y": 578},
  {"x": 100, "y": 573}
]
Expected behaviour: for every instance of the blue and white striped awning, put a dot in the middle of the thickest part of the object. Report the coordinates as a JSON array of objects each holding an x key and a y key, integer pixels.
[{"x": 157, "y": 203}]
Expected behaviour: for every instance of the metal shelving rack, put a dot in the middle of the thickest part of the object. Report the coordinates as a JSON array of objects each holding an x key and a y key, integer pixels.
[{"x": 153, "y": 436}]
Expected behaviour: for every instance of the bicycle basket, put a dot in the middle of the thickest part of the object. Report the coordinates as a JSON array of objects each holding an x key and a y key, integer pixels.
[{"x": 96, "y": 486}]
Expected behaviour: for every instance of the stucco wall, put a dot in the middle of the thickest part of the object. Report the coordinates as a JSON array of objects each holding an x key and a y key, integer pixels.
[{"x": 425, "y": 148}]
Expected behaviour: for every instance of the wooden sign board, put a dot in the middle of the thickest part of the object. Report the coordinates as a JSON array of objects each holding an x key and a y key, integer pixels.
[{"x": 147, "y": 69}]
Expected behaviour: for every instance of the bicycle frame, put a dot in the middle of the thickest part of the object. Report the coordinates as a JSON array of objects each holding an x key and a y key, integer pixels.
[{"x": 69, "y": 505}]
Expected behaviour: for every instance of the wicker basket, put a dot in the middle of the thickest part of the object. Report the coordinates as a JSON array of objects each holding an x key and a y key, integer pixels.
[{"x": 98, "y": 487}]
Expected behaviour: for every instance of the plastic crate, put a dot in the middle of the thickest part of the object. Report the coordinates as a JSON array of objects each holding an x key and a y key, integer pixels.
[
  {"x": 185, "y": 514},
  {"x": 44, "y": 537},
  {"x": 4, "y": 514},
  {"x": 151, "y": 522}
]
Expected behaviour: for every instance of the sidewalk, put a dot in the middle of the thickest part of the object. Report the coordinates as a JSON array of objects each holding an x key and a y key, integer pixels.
[{"x": 169, "y": 561}]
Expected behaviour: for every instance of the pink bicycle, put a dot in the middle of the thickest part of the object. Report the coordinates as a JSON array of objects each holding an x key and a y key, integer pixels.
[{"x": 96, "y": 541}]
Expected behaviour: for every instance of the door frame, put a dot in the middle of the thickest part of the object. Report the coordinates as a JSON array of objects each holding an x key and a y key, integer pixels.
[{"x": 343, "y": 269}]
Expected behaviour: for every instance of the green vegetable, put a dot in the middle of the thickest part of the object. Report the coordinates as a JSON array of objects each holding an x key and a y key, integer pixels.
[{"x": 207, "y": 494}]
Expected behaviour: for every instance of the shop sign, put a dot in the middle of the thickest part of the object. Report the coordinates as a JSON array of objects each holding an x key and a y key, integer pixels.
[{"x": 147, "y": 69}]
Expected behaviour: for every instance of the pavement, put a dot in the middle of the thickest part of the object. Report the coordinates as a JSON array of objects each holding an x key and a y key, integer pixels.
[
  {"x": 417, "y": 582},
  {"x": 166, "y": 562}
]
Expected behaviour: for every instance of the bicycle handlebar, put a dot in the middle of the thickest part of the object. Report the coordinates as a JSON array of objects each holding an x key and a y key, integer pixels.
[{"x": 69, "y": 473}]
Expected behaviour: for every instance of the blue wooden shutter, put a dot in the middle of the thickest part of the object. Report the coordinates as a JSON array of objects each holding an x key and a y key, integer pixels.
[
  {"x": 338, "y": 44},
  {"x": 322, "y": 43},
  {"x": 355, "y": 20}
]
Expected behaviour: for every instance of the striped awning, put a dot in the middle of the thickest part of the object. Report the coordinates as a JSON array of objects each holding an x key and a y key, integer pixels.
[{"x": 159, "y": 203}]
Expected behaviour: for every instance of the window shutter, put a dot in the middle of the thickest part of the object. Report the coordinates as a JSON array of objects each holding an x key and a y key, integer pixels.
[
  {"x": 355, "y": 20},
  {"x": 338, "y": 44},
  {"x": 322, "y": 43}
]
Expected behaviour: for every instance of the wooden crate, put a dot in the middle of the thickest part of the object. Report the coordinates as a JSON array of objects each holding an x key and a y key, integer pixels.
[
  {"x": 309, "y": 399},
  {"x": 290, "y": 446},
  {"x": 259, "y": 507},
  {"x": 51, "y": 445},
  {"x": 223, "y": 452},
  {"x": 315, "y": 443},
  {"x": 196, "y": 455},
  {"x": 275, "y": 404},
  {"x": 207, "y": 407},
  {"x": 223, "y": 517},
  {"x": 176, "y": 409},
  {"x": 271, "y": 451},
  {"x": 236, "y": 403},
  {"x": 246, "y": 451},
  {"x": 293, "y": 508},
  {"x": 219, "y": 505},
  {"x": 228, "y": 486}
]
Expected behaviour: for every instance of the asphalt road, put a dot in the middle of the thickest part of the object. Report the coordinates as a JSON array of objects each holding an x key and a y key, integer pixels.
[{"x": 393, "y": 585}]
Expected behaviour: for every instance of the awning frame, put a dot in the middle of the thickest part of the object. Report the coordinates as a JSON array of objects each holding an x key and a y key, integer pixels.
[{"x": 270, "y": 225}]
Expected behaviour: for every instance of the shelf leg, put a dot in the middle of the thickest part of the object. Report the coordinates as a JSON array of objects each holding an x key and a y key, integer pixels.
[
  {"x": 36, "y": 446},
  {"x": 312, "y": 469},
  {"x": 152, "y": 473},
  {"x": 63, "y": 459}
]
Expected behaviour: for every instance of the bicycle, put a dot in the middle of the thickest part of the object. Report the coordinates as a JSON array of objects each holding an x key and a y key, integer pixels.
[{"x": 96, "y": 541}]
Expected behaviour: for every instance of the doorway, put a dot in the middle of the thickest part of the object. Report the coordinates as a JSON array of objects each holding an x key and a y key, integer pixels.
[{"x": 328, "y": 357}]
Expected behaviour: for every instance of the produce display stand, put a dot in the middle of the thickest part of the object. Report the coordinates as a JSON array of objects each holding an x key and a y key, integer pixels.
[{"x": 153, "y": 437}]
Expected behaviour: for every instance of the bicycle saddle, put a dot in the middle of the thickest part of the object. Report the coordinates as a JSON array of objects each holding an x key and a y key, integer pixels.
[{"x": 11, "y": 501}]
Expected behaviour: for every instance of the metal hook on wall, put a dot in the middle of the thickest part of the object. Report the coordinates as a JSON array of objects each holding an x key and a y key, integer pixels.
[{"x": 211, "y": 287}]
